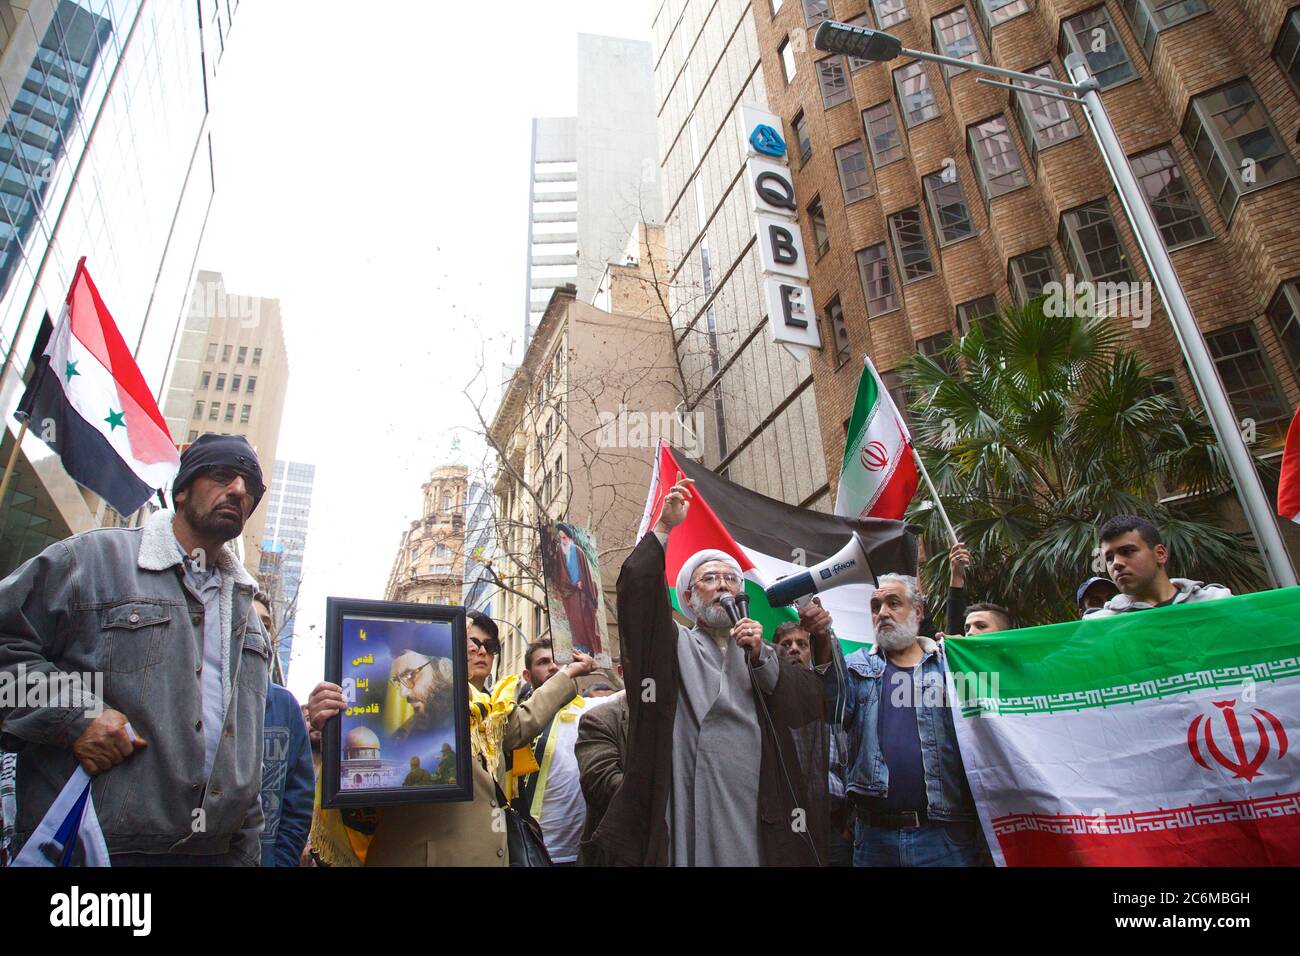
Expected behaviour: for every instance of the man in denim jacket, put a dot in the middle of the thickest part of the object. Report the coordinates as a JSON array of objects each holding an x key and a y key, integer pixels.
[
  {"x": 904, "y": 777},
  {"x": 150, "y": 636}
]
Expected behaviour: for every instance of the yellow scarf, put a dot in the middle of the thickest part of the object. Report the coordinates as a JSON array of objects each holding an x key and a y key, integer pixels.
[{"x": 488, "y": 715}]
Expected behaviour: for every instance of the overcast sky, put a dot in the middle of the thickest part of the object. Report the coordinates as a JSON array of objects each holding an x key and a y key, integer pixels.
[{"x": 372, "y": 174}]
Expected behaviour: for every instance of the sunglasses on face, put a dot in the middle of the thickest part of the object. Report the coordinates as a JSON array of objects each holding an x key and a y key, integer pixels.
[
  {"x": 224, "y": 475},
  {"x": 487, "y": 647}
]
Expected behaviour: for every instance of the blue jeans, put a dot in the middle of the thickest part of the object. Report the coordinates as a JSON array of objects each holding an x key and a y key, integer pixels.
[{"x": 935, "y": 844}]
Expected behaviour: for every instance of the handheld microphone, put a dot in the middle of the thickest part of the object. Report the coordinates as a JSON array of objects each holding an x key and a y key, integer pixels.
[
  {"x": 733, "y": 610},
  {"x": 742, "y": 602}
]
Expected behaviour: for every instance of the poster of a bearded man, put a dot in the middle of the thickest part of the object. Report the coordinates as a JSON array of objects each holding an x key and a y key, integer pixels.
[
  {"x": 713, "y": 770},
  {"x": 574, "y": 588}
]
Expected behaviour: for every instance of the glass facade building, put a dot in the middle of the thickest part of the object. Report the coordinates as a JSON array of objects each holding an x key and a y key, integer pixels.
[
  {"x": 288, "y": 507},
  {"x": 104, "y": 153}
]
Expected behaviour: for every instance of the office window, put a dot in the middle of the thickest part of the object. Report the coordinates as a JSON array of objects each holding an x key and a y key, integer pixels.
[
  {"x": 1093, "y": 34},
  {"x": 1176, "y": 210},
  {"x": 1286, "y": 52},
  {"x": 206, "y": 380},
  {"x": 1235, "y": 144},
  {"x": 954, "y": 37},
  {"x": 244, "y": 412},
  {"x": 855, "y": 180},
  {"x": 834, "y": 81},
  {"x": 1284, "y": 314},
  {"x": 1247, "y": 375},
  {"x": 234, "y": 382},
  {"x": 214, "y": 411},
  {"x": 787, "y": 60},
  {"x": 821, "y": 235},
  {"x": 252, "y": 382},
  {"x": 839, "y": 331},
  {"x": 225, "y": 352},
  {"x": 915, "y": 98},
  {"x": 1092, "y": 246},
  {"x": 242, "y": 355},
  {"x": 230, "y": 412},
  {"x": 815, "y": 11},
  {"x": 800, "y": 124},
  {"x": 193, "y": 437},
  {"x": 1149, "y": 17},
  {"x": 910, "y": 247},
  {"x": 212, "y": 351},
  {"x": 877, "y": 280},
  {"x": 949, "y": 215},
  {"x": 975, "y": 312},
  {"x": 993, "y": 12},
  {"x": 1044, "y": 121},
  {"x": 221, "y": 382},
  {"x": 932, "y": 348},
  {"x": 257, "y": 356},
  {"x": 882, "y": 134},
  {"x": 198, "y": 409},
  {"x": 1027, "y": 274},
  {"x": 889, "y": 12},
  {"x": 994, "y": 157}
]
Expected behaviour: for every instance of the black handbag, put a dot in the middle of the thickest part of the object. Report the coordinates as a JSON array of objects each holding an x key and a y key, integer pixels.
[{"x": 524, "y": 840}]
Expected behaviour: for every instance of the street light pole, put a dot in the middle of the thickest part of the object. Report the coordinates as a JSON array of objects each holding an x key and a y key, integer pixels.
[{"x": 1085, "y": 91}]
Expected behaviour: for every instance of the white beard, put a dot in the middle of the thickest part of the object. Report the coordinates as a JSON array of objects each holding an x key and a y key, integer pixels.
[
  {"x": 709, "y": 615},
  {"x": 899, "y": 637}
]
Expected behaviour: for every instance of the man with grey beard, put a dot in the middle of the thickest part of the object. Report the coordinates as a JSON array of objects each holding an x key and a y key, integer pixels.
[{"x": 904, "y": 777}]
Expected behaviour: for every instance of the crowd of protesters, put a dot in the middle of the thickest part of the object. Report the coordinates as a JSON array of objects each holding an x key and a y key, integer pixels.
[{"x": 731, "y": 747}]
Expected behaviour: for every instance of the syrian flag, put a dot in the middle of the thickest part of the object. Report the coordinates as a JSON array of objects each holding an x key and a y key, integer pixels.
[
  {"x": 89, "y": 402},
  {"x": 769, "y": 540},
  {"x": 1288, "y": 485},
  {"x": 1166, "y": 737},
  {"x": 878, "y": 476}
]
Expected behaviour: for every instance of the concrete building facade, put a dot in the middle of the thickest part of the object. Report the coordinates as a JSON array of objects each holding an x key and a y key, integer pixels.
[
  {"x": 430, "y": 563},
  {"x": 230, "y": 376},
  {"x": 931, "y": 200},
  {"x": 762, "y": 421}
]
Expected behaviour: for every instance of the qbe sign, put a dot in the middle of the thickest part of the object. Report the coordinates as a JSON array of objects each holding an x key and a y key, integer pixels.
[{"x": 791, "y": 320}]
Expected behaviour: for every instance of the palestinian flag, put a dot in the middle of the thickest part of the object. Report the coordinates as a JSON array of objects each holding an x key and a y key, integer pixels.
[
  {"x": 879, "y": 475},
  {"x": 1166, "y": 737},
  {"x": 89, "y": 402},
  {"x": 1288, "y": 485},
  {"x": 770, "y": 539}
]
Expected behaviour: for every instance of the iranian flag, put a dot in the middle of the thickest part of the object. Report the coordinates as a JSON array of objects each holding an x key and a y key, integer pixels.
[
  {"x": 1288, "y": 485},
  {"x": 89, "y": 402},
  {"x": 879, "y": 475},
  {"x": 770, "y": 539},
  {"x": 1167, "y": 737}
]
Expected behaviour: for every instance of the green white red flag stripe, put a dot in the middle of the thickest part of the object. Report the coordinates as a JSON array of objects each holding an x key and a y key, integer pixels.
[
  {"x": 878, "y": 476},
  {"x": 1288, "y": 484},
  {"x": 770, "y": 539},
  {"x": 1156, "y": 738}
]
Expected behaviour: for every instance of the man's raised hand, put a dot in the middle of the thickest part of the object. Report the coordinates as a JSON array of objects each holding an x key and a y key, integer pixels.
[{"x": 676, "y": 504}]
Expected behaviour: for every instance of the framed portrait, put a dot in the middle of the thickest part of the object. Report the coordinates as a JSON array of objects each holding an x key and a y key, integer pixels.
[
  {"x": 574, "y": 597},
  {"x": 404, "y": 736}
]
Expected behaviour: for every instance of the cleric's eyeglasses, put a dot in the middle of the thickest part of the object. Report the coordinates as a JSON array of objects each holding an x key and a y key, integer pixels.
[
  {"x": 712, "y": 578},
  {"x": 407, "y": 677}
]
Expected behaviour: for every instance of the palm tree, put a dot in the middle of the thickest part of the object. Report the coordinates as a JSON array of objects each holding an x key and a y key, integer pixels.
[{"x": 1036, "y": 429}]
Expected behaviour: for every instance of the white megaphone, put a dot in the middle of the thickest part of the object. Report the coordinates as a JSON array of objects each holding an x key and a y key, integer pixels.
[{"x": 847, "y": 566}]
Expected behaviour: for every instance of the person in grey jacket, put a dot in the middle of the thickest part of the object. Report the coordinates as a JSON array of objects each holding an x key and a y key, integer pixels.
[
  {"x": 160, "y": 664},
  {"x": 1136, "y": 559}
]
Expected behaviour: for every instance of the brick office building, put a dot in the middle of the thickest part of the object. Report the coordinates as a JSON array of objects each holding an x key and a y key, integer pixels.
[{"x": 903, "y": 256}]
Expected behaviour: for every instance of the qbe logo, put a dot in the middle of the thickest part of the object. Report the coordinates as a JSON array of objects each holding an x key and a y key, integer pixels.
[{"x": 75, "y": 909}]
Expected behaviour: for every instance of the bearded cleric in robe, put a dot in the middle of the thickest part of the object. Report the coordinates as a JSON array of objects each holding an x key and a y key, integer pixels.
[
  {"x": 718, "y": 721},
  {"x": 572, "y": 582}
]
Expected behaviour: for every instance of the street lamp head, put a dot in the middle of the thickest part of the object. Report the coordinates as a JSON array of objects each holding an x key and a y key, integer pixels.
[{"x": 834, "y": 37}]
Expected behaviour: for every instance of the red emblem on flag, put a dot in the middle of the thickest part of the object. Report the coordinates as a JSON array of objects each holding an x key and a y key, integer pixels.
[
  {"x": 1244, "y": 766},
  {"x": 875, "y": 456}
]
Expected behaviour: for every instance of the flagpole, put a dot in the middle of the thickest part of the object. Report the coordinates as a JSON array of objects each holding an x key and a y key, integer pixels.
[
  {"x": 952, "y": 535},
  {"x": 13, "y": 460}
]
